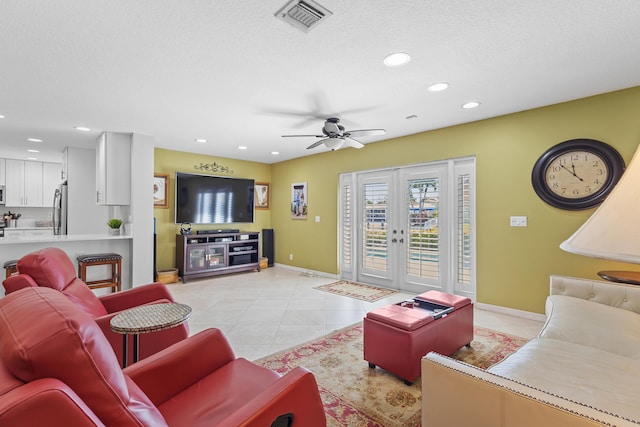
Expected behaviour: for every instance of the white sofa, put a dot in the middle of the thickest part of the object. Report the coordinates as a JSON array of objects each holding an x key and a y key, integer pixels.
[{"x": 583, "y": 369}]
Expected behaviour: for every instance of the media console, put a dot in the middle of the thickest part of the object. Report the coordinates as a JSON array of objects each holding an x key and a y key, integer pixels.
[{"x": 203, "y": 255}]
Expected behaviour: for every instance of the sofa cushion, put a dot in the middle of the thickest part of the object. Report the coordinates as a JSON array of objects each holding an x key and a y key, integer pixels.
[
  {"x": 577, "y": 372},
  {"x": 591, "y": 324},
  {"x": 227, "y": 389},
  {"x": 52, "y": 268},
  {"x": 405, "y": 318}
]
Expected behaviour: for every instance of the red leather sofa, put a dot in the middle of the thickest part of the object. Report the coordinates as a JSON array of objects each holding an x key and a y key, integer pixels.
[
  {"x": 57, "y": 369},
  {"x": 52, "y": 268}
]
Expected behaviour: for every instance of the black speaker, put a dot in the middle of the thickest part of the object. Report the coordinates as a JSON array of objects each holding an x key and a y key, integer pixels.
[{"x": 267, "y": 245}]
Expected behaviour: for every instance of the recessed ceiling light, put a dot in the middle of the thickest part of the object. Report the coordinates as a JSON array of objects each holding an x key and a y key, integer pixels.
[
  {"x": 82, "y": 129},
  {"x": 34, "y": 140},
  {"x": 471, "y": 104},
  {"x": 32, "y": 158},
  {"x": 275, "y": 153},
  {"x": 411, "y": 117},
  {"x": 33, "y": 151},
  {"x": 2, "y": 116},
  {"x": 438, "y": 87},
  {"x": 242, "y": 147},
  {"x": 397, "y": 59},
  {"x": 201, "y": 141}
]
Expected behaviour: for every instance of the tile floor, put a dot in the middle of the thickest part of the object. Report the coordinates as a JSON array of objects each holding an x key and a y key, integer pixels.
[{"x": 268, "y": 311}]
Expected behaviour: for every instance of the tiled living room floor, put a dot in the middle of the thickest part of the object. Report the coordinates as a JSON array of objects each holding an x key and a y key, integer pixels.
[{"x": 277, "y": 308}]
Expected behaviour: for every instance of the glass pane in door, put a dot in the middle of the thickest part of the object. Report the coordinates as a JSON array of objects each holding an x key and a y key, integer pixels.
[
  {"x": 374, "y": 226},
  {"x": 423, "y": 202}
]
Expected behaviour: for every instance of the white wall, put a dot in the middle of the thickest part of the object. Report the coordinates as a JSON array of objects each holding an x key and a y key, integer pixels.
[{"x": 142, "y": 154}]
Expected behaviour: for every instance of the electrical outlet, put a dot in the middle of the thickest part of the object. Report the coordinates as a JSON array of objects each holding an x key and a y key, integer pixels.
[{"x": 290, "y": 257}]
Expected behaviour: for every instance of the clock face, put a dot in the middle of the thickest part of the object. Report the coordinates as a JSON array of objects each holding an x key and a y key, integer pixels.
[{"x": 577, "y": 174}]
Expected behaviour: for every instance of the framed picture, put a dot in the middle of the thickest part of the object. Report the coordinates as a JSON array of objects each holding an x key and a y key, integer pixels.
[
  {"x": 262, "y": 195},
  {"x": 299, "y": 200},
  {"x": 160, "y": 190}
]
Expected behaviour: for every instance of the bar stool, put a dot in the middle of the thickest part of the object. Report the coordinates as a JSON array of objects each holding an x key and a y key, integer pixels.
[
  {"x": 11, "y": 267},
  {"x": 114, "y": 260}
]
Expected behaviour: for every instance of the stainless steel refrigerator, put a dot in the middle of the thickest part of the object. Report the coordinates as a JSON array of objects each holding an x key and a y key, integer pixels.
[{"x": 60, "y": 209}]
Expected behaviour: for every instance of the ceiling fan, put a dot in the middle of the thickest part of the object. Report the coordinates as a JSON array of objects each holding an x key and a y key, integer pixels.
[{"x": 334, "y": 136}]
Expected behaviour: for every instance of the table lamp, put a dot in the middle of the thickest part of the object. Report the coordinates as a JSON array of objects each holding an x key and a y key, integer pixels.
[{"x": 613, "y": 231}]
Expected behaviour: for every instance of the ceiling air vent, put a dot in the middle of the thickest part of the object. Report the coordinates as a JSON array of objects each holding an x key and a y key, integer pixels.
[{"x": 303, "y": 15}]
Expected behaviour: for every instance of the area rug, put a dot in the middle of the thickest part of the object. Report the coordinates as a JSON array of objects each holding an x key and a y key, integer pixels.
[
  {"x": 354, "y": 395},
  {"x": 356, "y": 290}
]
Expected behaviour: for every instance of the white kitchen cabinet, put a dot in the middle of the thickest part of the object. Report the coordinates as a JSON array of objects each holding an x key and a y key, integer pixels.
[
  {"x": 12, "y": 234},
  {"x": 23, "y": 183},
  {"x": 33, "y": 183},
  {"x": 3, "y": 166},
  {"x": 113, "y": 169},
  {"x": 38, "y": 233},
  {"x": 51, "y": 177},
  {"x": 30, "y": 183}
]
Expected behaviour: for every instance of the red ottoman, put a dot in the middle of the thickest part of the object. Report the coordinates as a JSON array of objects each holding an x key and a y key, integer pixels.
[{"x": 396, "y": 337}]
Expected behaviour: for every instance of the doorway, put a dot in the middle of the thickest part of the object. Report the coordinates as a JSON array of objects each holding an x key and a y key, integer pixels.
[{"x": 410, "y": 228}]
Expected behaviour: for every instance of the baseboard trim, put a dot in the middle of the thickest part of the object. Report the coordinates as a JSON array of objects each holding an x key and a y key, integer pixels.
[
  {"x": 306, "y": 271},
  {"x": 511, "y": 311}
]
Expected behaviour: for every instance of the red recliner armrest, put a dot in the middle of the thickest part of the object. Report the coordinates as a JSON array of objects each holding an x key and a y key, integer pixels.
[
  {"x": 168, "y": 372},
  {"x": 45, "y": 402},
  {"x": 17, "y": 282},
  {"x": 148, "y": 343},
  {"x": 134, "y": 297},
  {"x": 296, "y": 393}
]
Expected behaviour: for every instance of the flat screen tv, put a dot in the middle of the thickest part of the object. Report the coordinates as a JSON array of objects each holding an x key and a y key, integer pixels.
[{"x": 206, "y": 199}]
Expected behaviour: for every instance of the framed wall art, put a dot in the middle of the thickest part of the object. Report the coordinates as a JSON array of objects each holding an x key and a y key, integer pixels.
[
  {"x": 160, "y": 190},
  {"x": 299, "y": 200},
  {"x": 262, "y": 195}
]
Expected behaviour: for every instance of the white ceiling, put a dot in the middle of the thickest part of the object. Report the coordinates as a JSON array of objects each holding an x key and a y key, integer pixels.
[{"x": 232, "y": 73}]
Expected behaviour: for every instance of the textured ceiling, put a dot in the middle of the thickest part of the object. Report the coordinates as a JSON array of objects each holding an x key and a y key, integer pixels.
[{"x": 232, "y": 73}]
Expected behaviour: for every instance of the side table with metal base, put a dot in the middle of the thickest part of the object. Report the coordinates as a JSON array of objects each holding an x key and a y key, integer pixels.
[{"x": 145, "y": 319}]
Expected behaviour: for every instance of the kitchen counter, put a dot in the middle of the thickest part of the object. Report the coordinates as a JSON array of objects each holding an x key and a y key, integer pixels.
[
  {"x": 58, "y": 239},
  {"x": 28, "y": 228}
]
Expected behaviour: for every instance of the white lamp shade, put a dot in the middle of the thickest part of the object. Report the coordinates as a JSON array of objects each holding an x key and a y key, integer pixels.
[
  {"x": 613, "y": 231},
  {"x": 334, "y": 143}
]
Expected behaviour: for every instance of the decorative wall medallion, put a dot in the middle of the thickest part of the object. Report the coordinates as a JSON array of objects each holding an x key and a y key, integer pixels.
[{"x": 213, "y": 167}]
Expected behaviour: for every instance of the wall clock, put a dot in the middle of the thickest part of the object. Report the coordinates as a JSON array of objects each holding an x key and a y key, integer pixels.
[{"x": 577, "y": 174}]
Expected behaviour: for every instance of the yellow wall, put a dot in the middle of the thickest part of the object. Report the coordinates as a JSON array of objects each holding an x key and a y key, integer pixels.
[
  {"x": 513, "y": 264},
  {"x": 169, "y": 162}
]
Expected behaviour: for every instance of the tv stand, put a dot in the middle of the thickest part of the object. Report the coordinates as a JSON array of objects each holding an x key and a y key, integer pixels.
[{"x": 204, "y": 255}]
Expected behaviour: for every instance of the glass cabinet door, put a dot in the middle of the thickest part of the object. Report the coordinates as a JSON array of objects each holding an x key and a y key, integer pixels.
[
  {"x": 197, "y": 258},
  {"x": 216, "y": 256}
]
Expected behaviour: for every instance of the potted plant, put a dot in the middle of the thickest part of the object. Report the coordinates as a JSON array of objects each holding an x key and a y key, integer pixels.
[{"x": 114, "y": 226}]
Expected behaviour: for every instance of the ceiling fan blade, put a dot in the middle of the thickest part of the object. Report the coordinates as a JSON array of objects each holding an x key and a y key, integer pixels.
[
  {"x": 350, "y": 142},
  {"x": 317, "y": 143},
  {"x": 366, "y": 132},
  {"x": 303, "y": 136}
]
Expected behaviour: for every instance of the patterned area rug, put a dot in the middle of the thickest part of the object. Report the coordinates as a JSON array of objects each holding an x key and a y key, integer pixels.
[
  {"x": 354, "y": 395},
  {"x": 356, "y": 290}
]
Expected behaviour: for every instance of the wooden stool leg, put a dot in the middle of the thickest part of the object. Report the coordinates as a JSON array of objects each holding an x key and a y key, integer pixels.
[{"x": 119, "y": 276}]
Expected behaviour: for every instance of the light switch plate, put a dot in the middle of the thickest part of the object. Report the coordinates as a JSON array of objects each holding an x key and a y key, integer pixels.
[{"x": 518, "y": 221}]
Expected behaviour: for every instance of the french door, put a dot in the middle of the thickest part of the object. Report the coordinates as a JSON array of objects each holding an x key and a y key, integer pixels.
[{"x": 410, "y": 228}]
